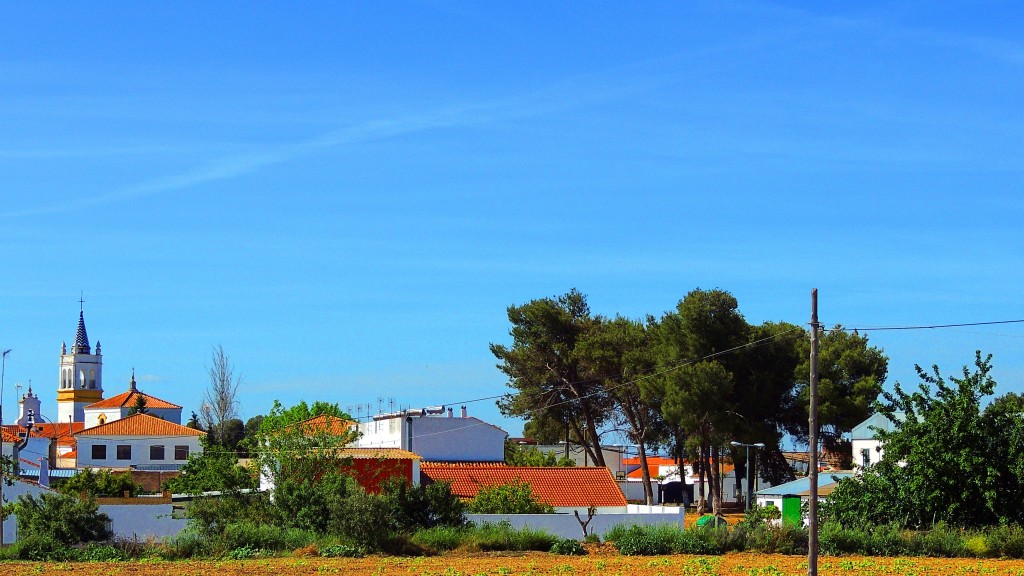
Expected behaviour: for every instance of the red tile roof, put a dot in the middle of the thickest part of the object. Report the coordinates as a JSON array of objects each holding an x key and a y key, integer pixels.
[
  {"x": 9, "y": 437},
  {"x": 379, "y": 453},
  {"x": 560, "y": 487},
  {"x": 62, "y": 432},
  {"x": 323, "y": 423},
  {"x": 128, "y": 399},
  {"x": 140, "y": 425}
]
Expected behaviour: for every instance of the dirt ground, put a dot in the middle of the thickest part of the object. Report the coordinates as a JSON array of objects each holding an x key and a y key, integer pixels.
[{"x": 603, "y": 561}]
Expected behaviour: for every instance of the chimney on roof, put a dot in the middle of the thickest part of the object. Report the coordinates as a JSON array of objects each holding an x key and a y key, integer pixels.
[
  {"x": 464, "y": 413},
  {"x": 451, "y": 412},
  {"x": 44, "y": 472}
]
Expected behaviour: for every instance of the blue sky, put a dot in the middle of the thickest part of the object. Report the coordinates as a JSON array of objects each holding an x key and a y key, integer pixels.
[{"x": 347, "y": 196}]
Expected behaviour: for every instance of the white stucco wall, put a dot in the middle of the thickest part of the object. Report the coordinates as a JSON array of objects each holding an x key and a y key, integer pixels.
[
  {"x": 566, "y": 525},
  {"x": 874, "y": 452},
  {"x": 140, "y": 450},
  {"x": 143, "y": 521},
  {"x": 438, "y": 438}
]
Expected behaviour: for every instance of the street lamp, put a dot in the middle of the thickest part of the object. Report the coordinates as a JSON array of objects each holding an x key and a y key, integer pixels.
[{"x": 750, "y": 486}]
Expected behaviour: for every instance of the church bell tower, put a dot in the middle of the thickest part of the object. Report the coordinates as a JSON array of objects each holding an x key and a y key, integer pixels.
[{"x": 81, "y": 376}]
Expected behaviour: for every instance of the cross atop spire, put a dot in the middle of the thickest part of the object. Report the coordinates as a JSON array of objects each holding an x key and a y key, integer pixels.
[{"x": 81, "y": 301}]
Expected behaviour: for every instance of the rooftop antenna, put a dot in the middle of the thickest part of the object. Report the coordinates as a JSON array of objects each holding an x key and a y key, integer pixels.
[
  {"x": 391, "y": 404},
  {"x": 380, "y": 404}
]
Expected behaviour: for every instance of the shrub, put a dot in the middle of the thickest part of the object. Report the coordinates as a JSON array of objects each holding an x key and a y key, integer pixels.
[
  {"x": 501, "y": 536},
  {"x": 646, "y": 540},
  {"x": 940, "y": 541},
  {"x": 440, "y": 538},
  {"x": 514, "y": 498},
  {"x": 40, "y": 547},
  {"x": 568, "y": 547},
  {"x": 424, "y": 506},
  {"x": 247, "y": 535},
  {"x": 99, "y": 483},
  {"x": 342, "y": 551},
  {"x": 189, "y": 543},
  {"x": 776, "y": 539},
  {"x": 367, "y": 520},
  {"x": 66, "y": 519},
  {"x": 1005, "y": 541}
]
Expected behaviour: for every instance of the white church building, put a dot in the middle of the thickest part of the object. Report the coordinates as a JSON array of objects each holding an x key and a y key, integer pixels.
[{"x": 85, "y": 418}]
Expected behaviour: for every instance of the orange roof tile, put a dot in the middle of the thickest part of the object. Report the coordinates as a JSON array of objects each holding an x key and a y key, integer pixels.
[
  {"x": 379, "y": 453},
  {"x": 128, "y": 399},
  {"x": 62, "y": 432},
  {"x": 323, "y": 423},
  {"x": 141, "y": 425},
  {"x": 560, "y": 487},
  {"x": 8, "y": 437}
]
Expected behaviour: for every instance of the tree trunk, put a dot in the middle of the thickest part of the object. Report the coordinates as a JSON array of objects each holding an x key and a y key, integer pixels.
[
  {"x": 701, "y": 464},
  {"x": 648, "y": 490},
  {"x": 716, "y": 490}
]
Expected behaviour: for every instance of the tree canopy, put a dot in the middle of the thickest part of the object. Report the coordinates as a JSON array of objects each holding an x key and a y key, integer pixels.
[{"x": 946, "y": 460}]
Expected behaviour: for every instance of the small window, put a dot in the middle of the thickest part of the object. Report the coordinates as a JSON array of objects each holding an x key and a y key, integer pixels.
[
  {"x": 156, "y": 452},
  {"x": 99, "y": 452},
  {"x": 124, "y": 452},
  {"x": 181, "y": 452},
  {"x": 865, "y": 457}
]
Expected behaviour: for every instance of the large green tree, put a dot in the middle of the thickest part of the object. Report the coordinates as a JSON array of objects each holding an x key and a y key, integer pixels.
[
  {"x": 547, "y": 372},
  {"x": 619, "y": 353},
  {"x": 945, "y": 460}
]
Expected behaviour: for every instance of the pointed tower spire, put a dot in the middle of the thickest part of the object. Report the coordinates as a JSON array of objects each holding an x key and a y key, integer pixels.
[
  {"x": 131, "y": 386},
  {"x": 81, "y": 337}
]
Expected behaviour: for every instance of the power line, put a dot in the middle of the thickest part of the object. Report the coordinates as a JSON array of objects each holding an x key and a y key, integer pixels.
[{"x": 931, "y": 327}]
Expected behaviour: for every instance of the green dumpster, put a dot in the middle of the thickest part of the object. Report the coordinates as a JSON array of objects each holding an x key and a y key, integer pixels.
[
  {"x": 791, "y": 511},
  {"x": 710, "y": 520}
]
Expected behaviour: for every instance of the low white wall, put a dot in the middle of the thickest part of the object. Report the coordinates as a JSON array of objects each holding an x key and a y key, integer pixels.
[
  {"x": 566, "y": 526},
  {"x": 143, "y": 521}
]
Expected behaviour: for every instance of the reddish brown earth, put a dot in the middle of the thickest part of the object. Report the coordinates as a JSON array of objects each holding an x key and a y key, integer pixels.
[{"x": 602, "y": 562}]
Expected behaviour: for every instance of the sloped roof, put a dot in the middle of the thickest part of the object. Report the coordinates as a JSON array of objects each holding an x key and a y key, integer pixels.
[
  {"x": 140, "y": 425},
  {"x": 128, "y": 399},
  {"x": 9, "y": 437},
  {"x": 323, "y": 423},
  {"x": 62, "y": 432},
  {"x": 802, "y": 486},
  {"x": 379, "y": 453},
  {"x": 560, "y": 487}
]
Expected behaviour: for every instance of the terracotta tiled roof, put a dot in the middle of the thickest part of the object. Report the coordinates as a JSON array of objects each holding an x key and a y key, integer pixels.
[
  {"x": 62, "y": 432},
  {"x": 128, "y": 399},
  {"x": 9, "y": 437},
  {"x": 560, "y": 487},
  {"x": 73, "y": 455},
  {"x": 140, "y": 425},
  {"x": 323, "y": 423},
  {"x": 380, "y": 453}
]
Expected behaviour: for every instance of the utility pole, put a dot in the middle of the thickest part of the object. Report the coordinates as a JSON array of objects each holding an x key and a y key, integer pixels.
[
  {"x": 812, "y": 422},
  {"x": 3, "y": 467}
]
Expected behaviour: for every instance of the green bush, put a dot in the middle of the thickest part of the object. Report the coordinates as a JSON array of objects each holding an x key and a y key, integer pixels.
[
  {"x": 189, "y": 543},
  {"x": 99, "y": 483},
  {"x": 501, "y": 536},
  {"x": 514, "y": 498},
  {"x": 939, "y": 542},
  {"x": 424, "y": 506},
  {"x": 568, "y": 547},
  {"x": 264, "y": 537},
  {"x": 39, "y": 547},
  {"x": 66, "y": 519},
  {"x": 342, "y": 551},
  {"x": 638, "y": 540},
  {"x": 1005, "y": 541},
  {"x": 776, "y": 539},
  {"x": 440, "y": 538},
  {"x": 365, "y": 519}
]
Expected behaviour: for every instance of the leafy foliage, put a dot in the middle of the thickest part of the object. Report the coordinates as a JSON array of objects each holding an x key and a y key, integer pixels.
[
  {"x": 514, "y": 498},
  {"x": 516, "y": 455},
  {"x": 66, "y": 519},
  {"x": 99, "y": 483},
  {"x": 946, "y": 461},
  {"x": 215, "y": 468}
]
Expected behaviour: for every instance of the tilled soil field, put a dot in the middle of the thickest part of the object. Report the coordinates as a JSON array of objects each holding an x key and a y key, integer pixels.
[{"x": 599, "y": 562}]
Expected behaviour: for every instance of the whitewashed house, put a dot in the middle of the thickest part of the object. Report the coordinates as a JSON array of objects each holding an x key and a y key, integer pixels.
[
  {"x": 436, "y": 435},
  {"x": 867, "y": 449},
  {"x": 139, "y": 441},
  {"x": 120, "y": 406}
]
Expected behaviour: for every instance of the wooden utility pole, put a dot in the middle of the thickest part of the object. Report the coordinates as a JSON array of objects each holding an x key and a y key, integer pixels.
[{"x": 812, "y": 423}]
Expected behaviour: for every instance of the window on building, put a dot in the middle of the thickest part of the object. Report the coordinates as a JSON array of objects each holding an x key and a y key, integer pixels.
[
  {"x": 156, "y": 452},
  {"x": 865, "y": 457},
  {"x": 124, "y": 452},
  {"x": 181, "y": 452},
  {"x": 99, "y": 452}
]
